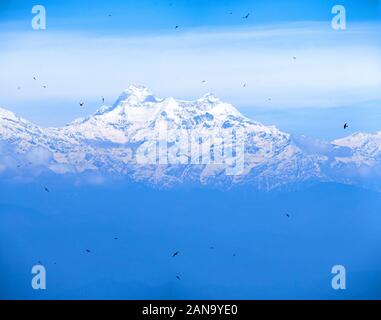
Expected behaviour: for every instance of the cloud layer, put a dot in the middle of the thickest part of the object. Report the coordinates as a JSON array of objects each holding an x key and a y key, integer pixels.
[{"x": 304, "y": 64}]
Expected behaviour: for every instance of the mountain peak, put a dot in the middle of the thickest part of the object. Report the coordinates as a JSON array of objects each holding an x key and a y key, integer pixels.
[
  {"x": 211, "y": 97},
  {"x": 137, "y": 91},
  {"x": 135, "y": 94}
]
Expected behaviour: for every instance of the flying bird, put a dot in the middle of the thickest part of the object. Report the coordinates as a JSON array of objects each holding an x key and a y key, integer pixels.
[
  {"x": 294, "y": 57},
  {"x": 116, "y": 238},
  {"x": 287, "y": 215},
  {"x": 81, "y": 104},
  {"x": 203, "y": 81},
  {"x": 34, "y": 78},
  {"x": 345, "y": 125},
  {"x": 103, "y": 99},
  {"x": 178, "y": 278},
  {"x": 247, "y": 16},
  {"x": 176, "y": 27},
  {"x": 88, "y": 251},
  {"x": 44, "y": 87},
  {"x": 244, "y": 85},
  {"x": 175, "y": 254},
  {"x": 46, "y": 189}
]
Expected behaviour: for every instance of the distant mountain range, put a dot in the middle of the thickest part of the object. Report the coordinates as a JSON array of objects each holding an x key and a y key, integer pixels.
[{"x": 169, "y": 143}]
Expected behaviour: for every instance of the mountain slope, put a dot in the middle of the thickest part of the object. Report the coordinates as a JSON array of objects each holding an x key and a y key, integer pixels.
[{"x": 364, "y": 148}]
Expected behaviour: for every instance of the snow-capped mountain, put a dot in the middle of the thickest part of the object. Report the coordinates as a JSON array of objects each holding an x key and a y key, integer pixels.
[
  {"x": 168, "y": 142},
  {"x": 365, "y": 148},
  {"x": 18, "y": 131},
  {"x": 359, "y": 160}
]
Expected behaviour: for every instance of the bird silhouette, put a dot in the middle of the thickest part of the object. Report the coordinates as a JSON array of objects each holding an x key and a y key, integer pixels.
[
  {"x": 88, "y": 251},
  {"x": 294, "y": 57},
  {"x": 211, "y": 248},
  {"x": 244, "y": 85},
  {"x": 116, "y": 238},
  {"x": 103, "y": 99},
  {"x": 247, "y": 16},
  {"x": 34, "y": 78},
  {"x": 176, "y": 27},
  {"x": 175, "y": 254},
  {"x": 81, "y": 104},
  {"x": 178, "y": 278},
  {"x": 44, "y": 87},
  {"x": 46, "y": 189},
  {"x": 345, "y": 125},
  {"x": 287, "y": 215},
  {"x": 203, "y": 81}
]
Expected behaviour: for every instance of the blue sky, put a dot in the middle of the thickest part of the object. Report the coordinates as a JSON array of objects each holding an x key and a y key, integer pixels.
[
  {"x": 85, "y": 54},
  {"x": 135, "y": 16}
]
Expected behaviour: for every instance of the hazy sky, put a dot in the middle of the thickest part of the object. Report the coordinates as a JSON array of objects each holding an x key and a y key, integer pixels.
[{"x": 85, "y": 54}]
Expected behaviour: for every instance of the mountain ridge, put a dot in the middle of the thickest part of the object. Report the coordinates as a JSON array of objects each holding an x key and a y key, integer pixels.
[{"x": 111, "y": 140}]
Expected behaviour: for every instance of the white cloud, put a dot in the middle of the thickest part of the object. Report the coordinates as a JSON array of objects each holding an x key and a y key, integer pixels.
[{"x": 39, "y": 156}]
